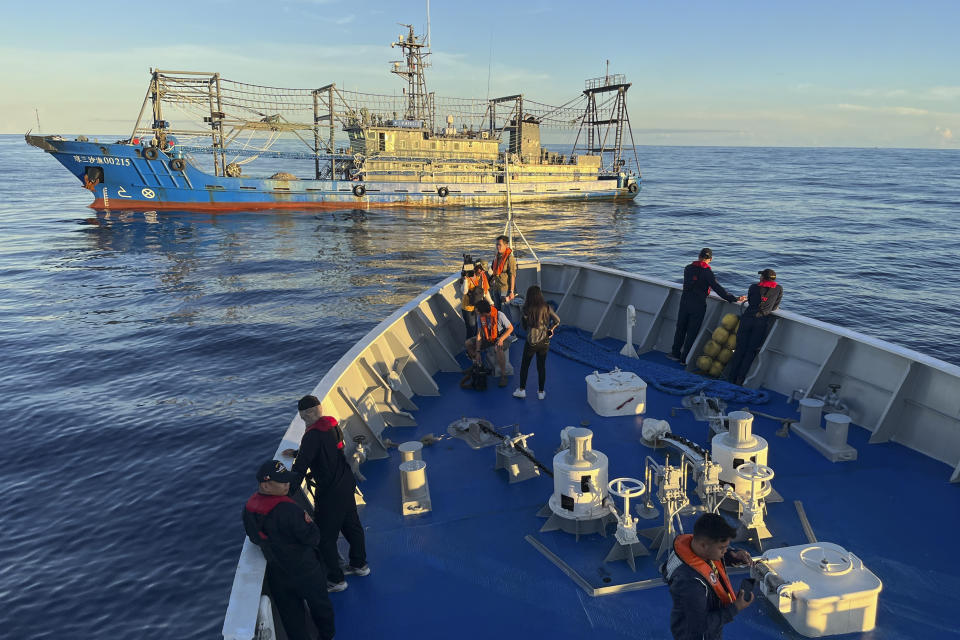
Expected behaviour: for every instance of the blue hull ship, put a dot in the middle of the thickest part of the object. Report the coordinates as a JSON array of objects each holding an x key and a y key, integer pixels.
[
  {"x": 197, "y": 133},
  {"x": 134, "y": 176}
]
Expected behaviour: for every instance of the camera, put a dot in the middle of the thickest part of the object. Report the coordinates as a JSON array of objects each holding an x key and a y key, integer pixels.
[{"x": 466, "y": 271}]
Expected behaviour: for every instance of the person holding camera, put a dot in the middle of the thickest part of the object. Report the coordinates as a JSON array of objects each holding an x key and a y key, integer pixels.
[
  {"x": 703, "y": 598},
  {"x": 540, "y": 321},
  {"x": 475, "y": 287},
  {"x": 493, "y": 329}
]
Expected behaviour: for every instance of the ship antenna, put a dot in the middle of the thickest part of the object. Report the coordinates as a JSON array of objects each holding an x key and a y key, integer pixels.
[
  {"x": 37, "y": 111},
  {"x": 428, "y": 27},
  {"x": 489, "y": 64}
]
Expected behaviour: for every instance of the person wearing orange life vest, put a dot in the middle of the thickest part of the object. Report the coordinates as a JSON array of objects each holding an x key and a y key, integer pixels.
[
  {"x": 763, "y": 298},
  {"x": 503, "y": 274},
  {"x": 493, "y": 329},
  {"x": 296, "y": 573},
  {"x": 476, "y": 287},
  {"x": 703, "y": 597}
]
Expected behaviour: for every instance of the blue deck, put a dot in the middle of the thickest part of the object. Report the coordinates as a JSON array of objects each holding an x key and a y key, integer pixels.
[{"x": 465, "y": 570}]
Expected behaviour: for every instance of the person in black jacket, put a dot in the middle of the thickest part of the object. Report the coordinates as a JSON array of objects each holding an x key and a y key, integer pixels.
[
  {"x": 698, "y": 280},
  {"x": 763, "y": 298},
  {"x": 321, "y": 459},
  {"x": 289, "y": 540},
  {"x": 703, "y": 598}
]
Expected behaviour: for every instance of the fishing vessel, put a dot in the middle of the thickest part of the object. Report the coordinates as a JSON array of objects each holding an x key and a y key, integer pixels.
[
  {"x": 201, "y": 142},
  {"x": 491, "y": 516}
]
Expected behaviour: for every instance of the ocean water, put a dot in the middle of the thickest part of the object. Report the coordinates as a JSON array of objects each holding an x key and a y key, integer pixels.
[{"x": 149, "y": 362}]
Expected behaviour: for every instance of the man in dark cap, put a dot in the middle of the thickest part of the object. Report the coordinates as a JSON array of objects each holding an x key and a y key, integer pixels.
[
  {"x": 698, "y": 280},
  {"x": 335, "y": 505},
  {"x": 289, "y": 540},
  {"x": 763, "y": 299}
]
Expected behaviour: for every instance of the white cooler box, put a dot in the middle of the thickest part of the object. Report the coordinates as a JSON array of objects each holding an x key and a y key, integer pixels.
[
  {"x": 821, "y": 589},
  {"x": 618, "y": 393}
]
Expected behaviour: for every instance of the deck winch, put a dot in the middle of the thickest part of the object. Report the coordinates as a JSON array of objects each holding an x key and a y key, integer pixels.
[
  {"x": 737, "y": 446},
  {"x": 579, "y": 487}
]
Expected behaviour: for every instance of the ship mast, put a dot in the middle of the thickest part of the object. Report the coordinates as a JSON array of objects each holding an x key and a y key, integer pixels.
[
  {"x": 605, "y": 120},
  {"x": 415, "y": 52}
]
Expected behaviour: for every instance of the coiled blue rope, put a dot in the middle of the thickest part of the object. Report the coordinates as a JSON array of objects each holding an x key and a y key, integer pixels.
[{"x": 579, "y": 346}]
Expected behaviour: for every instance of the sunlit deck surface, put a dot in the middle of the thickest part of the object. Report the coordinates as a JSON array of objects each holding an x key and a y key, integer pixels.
[{"x": 465, "y": 570}]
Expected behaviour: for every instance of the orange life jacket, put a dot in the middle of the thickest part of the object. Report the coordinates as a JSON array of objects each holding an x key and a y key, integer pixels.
[
  {"x": 715, "y": 574},
  {"x": 479, "y": 280},
  {"x": 500, "y": 261},
  {"x": 489, "y": 328}
]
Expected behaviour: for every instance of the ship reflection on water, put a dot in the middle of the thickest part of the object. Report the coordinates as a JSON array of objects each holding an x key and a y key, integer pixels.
[{"x": 242, "y": 264}]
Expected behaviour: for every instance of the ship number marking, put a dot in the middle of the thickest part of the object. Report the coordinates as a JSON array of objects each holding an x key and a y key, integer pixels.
[
  {"x": 148, "y": 193},
  {"x": 118, "y": 162},
  {"x": 123, "y": 193}
]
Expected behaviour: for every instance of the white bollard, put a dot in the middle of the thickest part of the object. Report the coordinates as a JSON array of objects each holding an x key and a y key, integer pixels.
[
  {"x": 837, "y": 426},
  {"x": 413, "y": 487},
  {"x": 412, "y": 450},
  {"x": 810, "y": 411}
]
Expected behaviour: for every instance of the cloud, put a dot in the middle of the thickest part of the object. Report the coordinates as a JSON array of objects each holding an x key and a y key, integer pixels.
[
  {"x": 946, "y": 135},
  {"x": 899, "y": 111},
  {"x": 945, "y": 93},
  {"x": 878, "y": 93}
]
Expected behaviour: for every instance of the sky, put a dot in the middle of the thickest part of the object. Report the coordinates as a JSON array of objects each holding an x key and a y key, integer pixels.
[{"x": 844, "y": 73}]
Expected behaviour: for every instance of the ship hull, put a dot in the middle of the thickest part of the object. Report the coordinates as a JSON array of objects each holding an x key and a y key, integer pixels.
[{"x": 121, "y": 177}]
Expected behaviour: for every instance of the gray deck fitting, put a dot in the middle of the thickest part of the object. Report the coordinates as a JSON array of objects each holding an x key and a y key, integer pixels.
[
  {"x": 627, "y": 552},
  {"x": 576, "y": 527},
  {"x": 583, "y": 584},
  {"x": 807, "y": 529}
]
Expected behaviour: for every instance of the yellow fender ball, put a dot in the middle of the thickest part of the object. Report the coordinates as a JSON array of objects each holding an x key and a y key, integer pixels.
[
  {"x": 732, "y": 342},
  {"x": 724, "y": 356},
  {"x": 716, "y": 369},
  {"x": 711, "y": 349},
  {"x": 720, "y": 335},
  {"x": 704, "y": 363},
  {"x": 730, "y": 321}
]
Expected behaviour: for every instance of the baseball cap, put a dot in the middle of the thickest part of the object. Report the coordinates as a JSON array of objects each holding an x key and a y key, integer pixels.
[
  {"x": 306, "y": 402},
  {"x": 768, "y": 274},
  {"x": 275, "y": 471}
]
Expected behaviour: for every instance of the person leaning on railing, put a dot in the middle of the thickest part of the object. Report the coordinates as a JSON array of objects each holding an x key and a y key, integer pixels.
[
  {"x": 296, "y": 572},
  {"x": 335, "y": 505}
]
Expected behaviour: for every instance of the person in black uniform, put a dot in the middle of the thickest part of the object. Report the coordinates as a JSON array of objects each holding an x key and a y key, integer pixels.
[
  {"x": 696, "y": 572},
  {"x": 289, "y": 540},
  {"x": 698, "y": 280},
  {"x": 335, "y": 505},
  {"x": 763, "y": 299}
]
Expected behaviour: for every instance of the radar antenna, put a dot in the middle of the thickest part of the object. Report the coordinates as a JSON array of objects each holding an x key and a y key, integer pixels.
[{"x": 419, "y": 102}]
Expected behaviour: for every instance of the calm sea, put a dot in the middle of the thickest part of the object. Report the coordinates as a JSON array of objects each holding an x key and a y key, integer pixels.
[{"x": 149, "y": 362}]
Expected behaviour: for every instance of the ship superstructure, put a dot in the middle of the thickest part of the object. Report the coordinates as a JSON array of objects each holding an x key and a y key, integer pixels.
[{"x": 198, "y": 136}]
